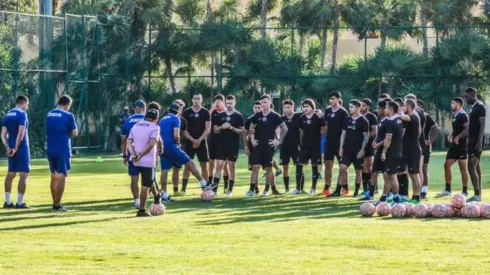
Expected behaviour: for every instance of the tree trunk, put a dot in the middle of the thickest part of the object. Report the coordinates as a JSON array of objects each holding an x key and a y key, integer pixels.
[
  {"x": 301, "y": 44},
  {"x": 335, "y": 34},
  {"x": 424, "y": 30},
  {"x": 383, "y": 41},
  {"x": 170, "y": 74},
  {"x": 324, "y": 47},
  {"x": 263, "y": 19},
  {"x": 391, "y": 85}
]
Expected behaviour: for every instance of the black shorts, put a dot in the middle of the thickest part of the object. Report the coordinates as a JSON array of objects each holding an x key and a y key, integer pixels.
[
  {"x": 458, "y": 152},
  {"x": 411, "y": 160},
  {"x": 314, "y": 154},
  {"x": 227, "y": 152},
  {"x": 262, "y": 155},
  {"x": 471, "y": 149},
  {"x": 378, "y": 165},
  {"x": 369, "y": 151},
  {"x": 392, "y": 164},
  {"x": 331, "y": 151},
  {"x": 288, "y": 153},
  {"x": 201, "y": 151},
  {"x": 349, "y": 158},
  {"x": 147, "y": 176},
  {"x": 213, "y": 148},
  {"x": 426, "y": 151}
]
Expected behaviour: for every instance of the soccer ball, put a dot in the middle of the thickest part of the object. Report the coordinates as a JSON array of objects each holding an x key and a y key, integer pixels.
[
  {"x": 429, "y": 210},
  {"x": 398, "y": 211},
  {"x": 383, "y": 209},
  {"x": 410, "y": 210},
  {"x": 367, "y": 209},
  {"x": 450, "y": 211},
  {"x": 471, "y": 211},
  {"x": 485, "y": 211},
  {"x": 458, "y": 201},
  {"x": 207, "y": 195},
  {"x": 157, "y": 209},
  {"x": 439, "y": 211},
  {"x": 421, "y": 211}
]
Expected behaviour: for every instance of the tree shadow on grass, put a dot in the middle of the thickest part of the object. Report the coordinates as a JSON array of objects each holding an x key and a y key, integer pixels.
[{"x": 61, "y": 224}]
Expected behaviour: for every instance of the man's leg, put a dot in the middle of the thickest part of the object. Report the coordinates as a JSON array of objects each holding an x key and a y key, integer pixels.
[
  {"x": 193, "y": 170},
  {"x": 54, "y": 186},
  {"x": 425, "y": 174},
  {"x": 478, "y": 170},
  {"x": 21, "y": 189},
  {"x": 204, "y": 171},
  {"x": 60, "y": 189},
  {"x": 387, "y": 186},
  {"x": 421, "y": 169},
  {"x": 366, "y": 173},
  {"x": 185, "y": 178},
  {"x": 8, "y": 188},
  {"x": 254, "y": 177},
  {"x": 415, "y": 186},
  {"x": 232, "y": 170},
  {"x": 299, "y": 179},
  {"x": 328, "y": 174},
  {"x": 175, "y": 179},
  {"x": 143, "y": 198},
  {"x": 315, "y": 175},
  {"x": 359, "y": 176},
  {"x": 163, "y": 181},
  {"x": 285, "y": 176},
  {"x": 463, "y": 168},
  {"x": 448, "y": 176},
  {"x": 217, "y": 174},
  {"x": 210, "y": 174},
  {"x": 341, "y": 180},
  {"x": 472, "y": 170},
  {"x": 226, "y": 175}
]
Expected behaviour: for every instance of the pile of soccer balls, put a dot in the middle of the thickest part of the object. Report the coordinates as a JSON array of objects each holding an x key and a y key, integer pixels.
[{"x": 457, "y": 208}]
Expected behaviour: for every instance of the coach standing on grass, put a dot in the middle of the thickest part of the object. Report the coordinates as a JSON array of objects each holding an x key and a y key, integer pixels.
[{"x": 60, "y": 128}]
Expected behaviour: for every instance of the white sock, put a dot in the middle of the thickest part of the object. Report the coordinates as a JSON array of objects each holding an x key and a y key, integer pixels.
[
  {"x": 424, "y": 189},
  {"x": 164, "y": 195},
  {"x": 8, "y": 200},
  {"x": 136, "y": 202},
  {"x": 20, "y": 198},
  {"x": 203, "y": 182}
]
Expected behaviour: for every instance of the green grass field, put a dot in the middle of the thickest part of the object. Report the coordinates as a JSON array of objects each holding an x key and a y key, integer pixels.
[{"x": 282, "y": 235}]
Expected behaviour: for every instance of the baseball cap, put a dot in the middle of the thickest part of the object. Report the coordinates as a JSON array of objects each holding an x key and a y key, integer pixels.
[
  {"x": 139, "y": 104},
  {"x": 174, "y": 107},
  {"x": 152, "y": 114}
]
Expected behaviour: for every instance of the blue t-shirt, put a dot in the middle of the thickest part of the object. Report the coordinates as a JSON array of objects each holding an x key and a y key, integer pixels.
[
  {"x": 167, "y": 125},
  {"x": 130, "y": 122},
  {"x": 12, "y": 121},
  {"x": 59, "y": 125}
]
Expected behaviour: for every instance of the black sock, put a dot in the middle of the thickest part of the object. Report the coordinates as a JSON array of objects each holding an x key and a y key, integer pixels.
[
  {"x": 338, "y": 188},
  {"x": 403, "y": 182},
  {"x": 358, "y": 186},
  {"x": 226, "y": 181},
  {"x": 314, "y": 176},
  {"x": 230, "y": 185},
  {"x": 299, "y": 176},
  {"x": 267, "y": 186},
  {"x": 176, "y": 189},
  {"x": 257, "y": 190},
  {"x": 366, "y": 181},
  {"x": 184, "y": 184},
  {"x": 448, "y": 187},
  {"x": 477, "y": 192},
  {"x": 156, "y": 199},
  {"x": 417, "y": 198},
  {"x": 216, "y": 184},
  {"x": 252, "y": 187},
  {"x": 274, "y": 188},
  {"x": 303, "y": 183},
  {"x": 372, "y": 188},
  {"x": 396, "y": 198},
  {"x": 286, "y": 182},
  {"x": 383, "y": 197},
  {"x": 465, "y": 189},
  {"x": 346, "y": 187},
  {"x": 210, "y": 180}
]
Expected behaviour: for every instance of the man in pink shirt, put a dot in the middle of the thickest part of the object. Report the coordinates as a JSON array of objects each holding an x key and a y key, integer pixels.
[{"x": 142, "y": 145}]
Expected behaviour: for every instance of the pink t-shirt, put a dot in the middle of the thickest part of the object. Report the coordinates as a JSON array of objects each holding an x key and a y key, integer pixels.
[{"x": 141, "y": 134}]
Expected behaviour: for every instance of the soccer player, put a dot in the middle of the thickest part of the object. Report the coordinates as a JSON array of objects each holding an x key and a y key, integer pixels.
[
  {"x": 142, "y": 146},
  {"x": 60, "y": 128},
  {"x": 431, "y": 132},
  {"x": 264, "y": 140},
  {"x": 422, "y": 117},
  {"x": 198, "y": 127},
  {"x": 139, "y": 115},
  {"x": 16, "y": 140},
  {"x": 368, "y": 156},
  {"x": 392, "y": 151},
  {"x": 172, "y": 155},
  {"x": 458, "y": 149},
  {"x": 290, "y": 148},
  {"x": 402, "y": 176},
  {"x": 334, "y": 117},
  {"x": 353, "y": 142},
  {"x": 249, "y": 148},
  {"x": 217, "y": 109},
  {"x": 311, "y": 127},
  {"x": 475, "y": 140},
  {"x": 176, "y": 170},
  {"x": 228, "y": 128}
]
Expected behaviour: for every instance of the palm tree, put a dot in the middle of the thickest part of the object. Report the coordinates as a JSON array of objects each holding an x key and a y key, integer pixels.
[
  {"x": 258, "y": 9},
  {"x": 336, "y": 25},
  {"x": 323, "y": 19}
]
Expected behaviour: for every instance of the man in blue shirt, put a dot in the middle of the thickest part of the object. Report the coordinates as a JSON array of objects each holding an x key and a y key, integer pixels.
[
  {"x": 172, "y": 155},
  {"x": 60, "y": 128},
  {"x": 139, "y": 115},
  {"x": 16, "y": 140}
]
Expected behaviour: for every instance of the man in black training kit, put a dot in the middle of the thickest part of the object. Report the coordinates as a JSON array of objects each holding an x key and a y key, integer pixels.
[
  {"x": 402, "y": 176},
  {"x": 368, "y": 156},
  {"x": 431, "y": 132},
  {"x": 377, "y": 145},
  {"x": 228, "y": 128},
  {"x": 290, "y": 147},
  {"x": 249, "y": 148},
  {"x": 391, "y": 154},
  {"x": 353, "y": 142},
  {"x": 475, "y": 140},
  {"x": 334, "y": 117},
  {"x": 217, "y": 109},
  {"x": 198, "y": 128},
  {"x": 263, "y": 137},
  {"x": 311, "y": 127},
  {"x": 458, "y": 150}
]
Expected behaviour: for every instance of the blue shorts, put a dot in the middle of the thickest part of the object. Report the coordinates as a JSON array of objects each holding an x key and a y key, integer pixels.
[
  {"x": 133, "y": 171},
  {"x": 59, "y": 163},
  {"x": 20, "y": 162},
  {"x": 323, "y": 143},
  {"x": 173, "y": 156}
]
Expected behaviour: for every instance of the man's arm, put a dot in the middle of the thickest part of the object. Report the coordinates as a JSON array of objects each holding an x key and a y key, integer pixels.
[
  {"x": 74, "y": 133},
  {"x": 206, "y": 131},
  {"x": 251, "y": 133},
  {"x": 284, "y": 131},
  {"x": 188, "y": 136},
  {"x": 20, "y": 135},
  {"x": 386, "y": 145},
  {"x": 481, "y": 134},
  {"x": 405, "y": 118},
  {"x": 374, "y": 131},
  {"x": 124, "y": 140},
  {"x": 365, "y": 139},
  {"x": 463, "y": 134},
  {"x": 177, "y": 135},
  {"x": 342, "y": 139},
  {"x": 237, "y": 131},
  {"x": 301, "y": 132},
  {"x": 148, "y": 148},
  {"x": 434, "y": 133},
  {"x": 5, "y": 137},
  {"x": 129, "y": 146}
]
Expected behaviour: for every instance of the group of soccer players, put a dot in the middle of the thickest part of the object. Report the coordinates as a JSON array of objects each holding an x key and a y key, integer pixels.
[{"x": 396, "y": 142}]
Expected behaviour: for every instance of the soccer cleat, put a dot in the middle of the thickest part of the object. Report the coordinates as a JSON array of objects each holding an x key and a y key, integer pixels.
[
  {"x": 59, "y": 208},
  {"x": 364, "y": 193},
  {"x": 326, "y": 192},
  {"x": 312, "y": 192},
  {"x": 265, "y": 194},
  {"x": 8, "y": 206},
  {"x": 464, "y": 194},
  {"x": 229, "y": 194},
  {"x": 356, "y": 193},
  {"x": 366, "y": 198},
  {"x": 443, "y": 194},
  {"x": 286, "y": 191},
  {"x": 142, "y": 213},
  {"x": 475, "y": 198},
  {"x": 22, "y": 206},
  {"x": 414, "y": 202},
  {"x": 250, "y": 194},
  {"x": 346, "y": 192},
  {"x": 278, "y": 173},
  {"x": 335, "y": 195},
  {"x": 423, "y": 196},
  {"x": 179, "y": 194},
  {"x": 137, "y": 206},
  {"x": 403, "y": 199},
  {"x": 390, "y": 196},
  {"x": 257, "y": 191},
  {"x": 276, "y": 193},
  {"x": 296, "y": 192}
]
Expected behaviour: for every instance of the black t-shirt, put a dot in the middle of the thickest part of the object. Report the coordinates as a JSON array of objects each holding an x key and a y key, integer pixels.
[
  {"x": 183, "y": 127},
  {"x": 382, "y": 125},
  {"x": 412, "y": 133},
  {"x": 395, "y": 128},
  {"x": 458, "y": 122},
  {"x": 477, "y": 111},
  {"x": 422, "y": 119},
  {"x": 311, "y": 131},
  {"x": 227, "y": 136},
  {"x": 265, "y": 127},
  {"x": 292, "y": 136},
  {"x": 217, "y": 119},
  {"x": 196, "y": 121},
  {"x": 248, "y": 121},
  {"x": 373, "y": 121},
  {"x": 335, "y": 121},
  {"x": 355, "y": 128},
  {"x": 429, "y": 122}
]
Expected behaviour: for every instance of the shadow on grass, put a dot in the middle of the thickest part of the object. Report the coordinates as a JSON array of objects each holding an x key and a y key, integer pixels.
[{"x": 61, "y": 224}]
